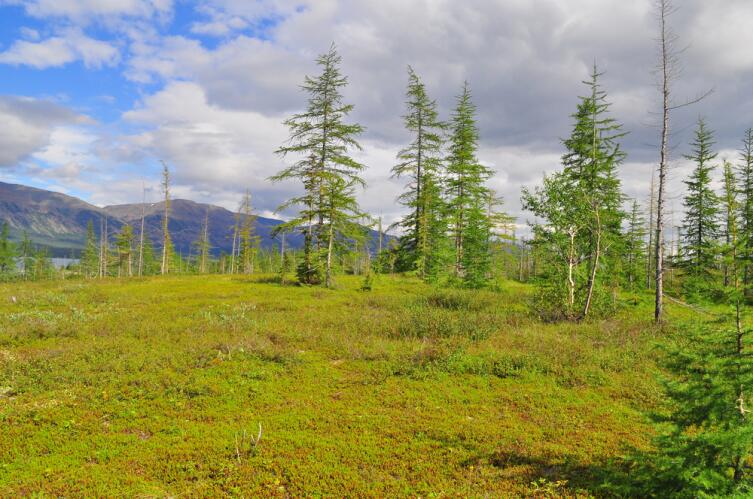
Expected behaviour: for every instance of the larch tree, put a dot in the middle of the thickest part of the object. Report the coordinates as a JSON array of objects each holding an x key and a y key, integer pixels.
[
  {"x": 635, "y": 253},
  {"x": 321, "y": 141},
  {"x": 701, "y": 223},
  {"x": 467, "y": 195},
  {"x": 745, "y": 188},
  {"x": 248, "y": 240},
  {"x": 421, "y": 163},
  {"x": 705, "y": 443},
  {"x": 580, "y": 210},
  {"x": 592, "y": 157}
]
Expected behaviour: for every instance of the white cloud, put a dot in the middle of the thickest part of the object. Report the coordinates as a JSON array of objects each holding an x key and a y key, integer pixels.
[
  {"x": 212, "y": 150},
  {"x": 82, "y": 11},
  {"x": 28, "y": 125},
  {"x": 69, "y": 46}
]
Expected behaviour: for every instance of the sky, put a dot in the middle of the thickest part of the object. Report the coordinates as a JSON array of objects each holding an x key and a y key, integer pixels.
[{"x": 95, "y": 93}]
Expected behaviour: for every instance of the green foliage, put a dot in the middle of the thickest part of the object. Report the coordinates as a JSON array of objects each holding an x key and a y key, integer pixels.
[
  {"x": 320, "y": 139},
  {"x": 578, "y": 236},
  {"x": 7, "y": 252},
  {"x": 90, "y": 255},
  {"x": 745, "y": 188},
  {"x": 423, "y": 245},
  {"x": 705, "y": 440},
  {"x": 124, "y": 248},
  {"x": 467, "y": 196},
  {"x": 249, "y": 241},
  {"x": 701, "y": 223},
  {"x": 635, "y": 249}
]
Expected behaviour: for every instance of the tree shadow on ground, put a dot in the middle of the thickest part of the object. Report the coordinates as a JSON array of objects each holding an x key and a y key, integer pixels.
[{"x": 564, "y": 478}]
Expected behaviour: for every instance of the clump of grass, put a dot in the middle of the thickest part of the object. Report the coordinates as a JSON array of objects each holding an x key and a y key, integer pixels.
[{"x": 417, "y": 321}]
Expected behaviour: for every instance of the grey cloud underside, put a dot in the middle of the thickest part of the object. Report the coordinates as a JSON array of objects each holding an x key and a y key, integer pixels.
[{"x": 27, "y": 125}]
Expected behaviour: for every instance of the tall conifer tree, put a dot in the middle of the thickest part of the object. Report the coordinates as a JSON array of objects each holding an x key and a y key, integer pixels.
[
  {"x": 421, "y": 163},
  {"x": 635, "y": 249},
  {"x": 701, "y": 224},
  {"x": 321, "y": 140},
  {"x": 745, "y": 188},
  {"x": 467, "y": 194}
]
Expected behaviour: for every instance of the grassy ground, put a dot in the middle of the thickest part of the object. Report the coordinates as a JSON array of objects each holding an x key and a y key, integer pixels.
[{"x": 141, "y": 387}]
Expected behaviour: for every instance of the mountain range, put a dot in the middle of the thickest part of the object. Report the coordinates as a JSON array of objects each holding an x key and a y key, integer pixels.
[{"x": 59, "y": 222}]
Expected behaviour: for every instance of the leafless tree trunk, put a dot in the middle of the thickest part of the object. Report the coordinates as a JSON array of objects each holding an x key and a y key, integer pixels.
[
  {"x": 235, "y": 238},
  {"x": 665, "y": 63},
  {"x": 165, "y": 234},
  {"x": 141, "y": 235},
  {"x": 668, "y": 70},
  {"x": 204, "y": 244},
  {"x": 104, "y": 239},
  {"x": 651, "y": 209},
  {"x": 571, "y": 262}
]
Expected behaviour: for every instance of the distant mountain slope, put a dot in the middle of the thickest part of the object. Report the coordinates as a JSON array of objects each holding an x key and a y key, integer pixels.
[
  {"x": 51, "y": 219},
  {"x": 58, "y": 221}
]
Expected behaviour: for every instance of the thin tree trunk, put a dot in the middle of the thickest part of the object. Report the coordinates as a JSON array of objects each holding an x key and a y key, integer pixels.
[
  {"x": 594, "y": 266},
  {"x": 570, "y": 267},
  {"x": 663, "y": 150},
  {"x": 330, "y": 242},
  {"x": 141, "y": 235}
]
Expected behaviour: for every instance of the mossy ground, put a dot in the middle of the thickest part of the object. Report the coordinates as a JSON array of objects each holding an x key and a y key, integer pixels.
[{"x": 140, "y": 387}]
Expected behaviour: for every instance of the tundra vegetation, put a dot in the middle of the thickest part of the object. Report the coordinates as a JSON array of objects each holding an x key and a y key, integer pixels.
[{"x": 589, "y": 359}]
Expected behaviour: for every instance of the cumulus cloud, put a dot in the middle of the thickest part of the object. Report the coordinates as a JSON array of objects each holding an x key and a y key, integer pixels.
[
  {"x": 84, "y": 11},
  {"x": 216, "y": 152},
  {"x": 28, "y": 125},
  {"x": 71, "y": 45}
]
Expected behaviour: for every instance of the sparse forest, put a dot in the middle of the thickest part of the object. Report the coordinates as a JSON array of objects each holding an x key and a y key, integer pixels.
[{"x": 577, "y": 351}]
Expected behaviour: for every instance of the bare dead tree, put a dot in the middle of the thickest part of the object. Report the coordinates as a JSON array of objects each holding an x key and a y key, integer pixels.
[
  {"x": 668, "y": 70},
  {"x": 166, "y": 243},
  {"x": 141, "y": 234}
]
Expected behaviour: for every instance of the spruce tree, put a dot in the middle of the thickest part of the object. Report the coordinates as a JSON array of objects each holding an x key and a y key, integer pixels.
[
  {"x": 701, "y": 224},
  {"x": 467, "y": 194},
  {"x": 321, "y": 140},
  {"x": 421, "y": 163}
]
